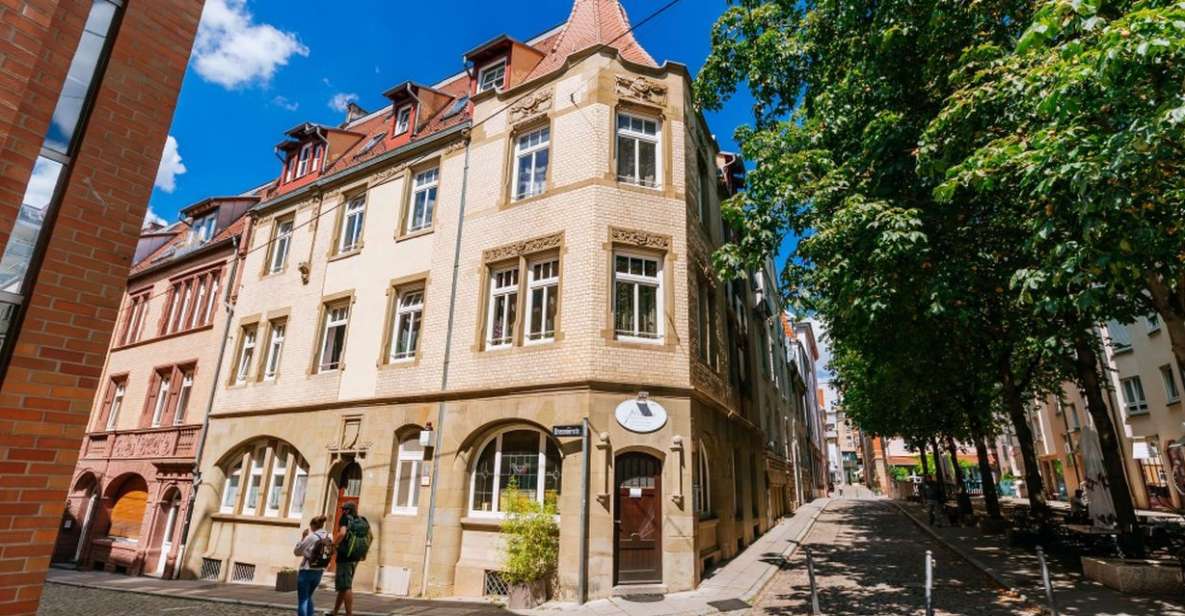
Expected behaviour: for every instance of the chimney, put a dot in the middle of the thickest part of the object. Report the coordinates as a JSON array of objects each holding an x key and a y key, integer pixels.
[{"x": 353, "y": 112}]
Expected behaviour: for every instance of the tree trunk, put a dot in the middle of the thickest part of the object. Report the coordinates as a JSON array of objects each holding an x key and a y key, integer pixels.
[
  {"x": 964, "y": 497},
  {"x": 1169, "y": 302},
  {"x": 1015, "y": 407},
  {"x": 991, "y": 499},
  {"x": 939, "y": 472},
  {"x": 1086, "y": 364}
]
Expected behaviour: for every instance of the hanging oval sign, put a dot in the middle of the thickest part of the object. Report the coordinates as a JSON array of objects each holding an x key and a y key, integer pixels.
[{"x": 641, "y": 415}]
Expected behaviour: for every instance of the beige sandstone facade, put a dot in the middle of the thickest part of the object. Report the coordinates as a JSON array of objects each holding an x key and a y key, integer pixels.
[{"x": 345, "y": 408}]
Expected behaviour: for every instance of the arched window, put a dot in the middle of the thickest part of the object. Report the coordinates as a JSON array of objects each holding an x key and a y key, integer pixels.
[
  {"x": 276, "y": 481},
  {"x": 701, "y": 482},
  {"x": 127, "y": 510},
  {"x": 406, "y": 497},
  {"x": 524, "y": 460}
]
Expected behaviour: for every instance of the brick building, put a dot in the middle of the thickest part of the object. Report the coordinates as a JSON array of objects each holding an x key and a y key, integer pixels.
[
  {"x": 432, "y": 287},
  {"x": 87, "y": 91}
]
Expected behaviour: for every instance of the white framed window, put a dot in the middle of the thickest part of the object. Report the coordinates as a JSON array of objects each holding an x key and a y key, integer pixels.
[
  {"x": 183, "y": 397},
  {"x": 275, "y": 346},
  {"x": 162, "y": 398},
  {"x": 202, "y": 229},
  {"x": 213, "y": 299},
  {"x": 637, "y": 297},
  {"x": 701, "y": 483},
  {"x": 1133, "y": 395},
  {"x": 1171, "y": 392},
  {"x": 638, "y": 140},
  {"x": 493, "y": 76},
  {"x": 403, "y": 120},
  {"x": 116, "y": 405},
  {"x": 179, "y": 318},
  {"x": 352, "y": 221},
  {"x": 230, "y": 488},
  {"x": 246, "y": 355},
  {"x": 275, "y": 483},
  {"x": 543, "y": 285},
  {"x": 193, "y": 318},
  {"x": 280, "y": 244},
  {"x": 302, "y": 164},
  {"x": 501, "y": 311},
  {"x": 530, "y": 163},
  {"x": 255, "y": 481},
  {"x": 423, "y": 200},
  {"x": 526, "y": 460},
  {"x": 300, "y": 483},
  {"x": 333, "y": 338},
  {"x": 405, "y": 330},
  {"x": 406, "y": 496}
]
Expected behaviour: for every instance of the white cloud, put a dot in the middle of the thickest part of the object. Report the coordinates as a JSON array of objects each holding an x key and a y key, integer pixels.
[
  {"x": 170, "y": 167},
  {"x": 232, "y": 51},
  {"x": 340, "y": 100},
  {"x": 283, "y": 103},
  {"x": 152, "y": 218}
]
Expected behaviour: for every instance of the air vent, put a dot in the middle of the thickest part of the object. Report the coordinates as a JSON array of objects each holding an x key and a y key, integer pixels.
[
  {"x": 494, "y": 584},
  {"x": 242, "y": 573},
  {"x": 211, "y": 569}
]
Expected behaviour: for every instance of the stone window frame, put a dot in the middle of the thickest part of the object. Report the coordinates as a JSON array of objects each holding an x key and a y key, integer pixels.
[
  {"x": 409, "y": 174},
  {"x": 328, "y": 302},
  {"x": 520, "y": 255},
  {"x": 273, "y": 321},
  {"x": 504, "y": 63},
  {"x": 106, "y": 420},
  {"x": 242, "y": 461},
  {"x": 702, "y": 505},
  {"x": 525, "y": 128},
  {"x": 135, "y": 315},
  {"x": 269, "y": 255},
  {"x": 495, "y": 439},
  {"x": 396, "y": 287},
  {"x": 206, "y": 282},
  {"x": 338, "y": 248},
  {"x": 656, "y": 245},
  {"x": 405, "y": 435}
]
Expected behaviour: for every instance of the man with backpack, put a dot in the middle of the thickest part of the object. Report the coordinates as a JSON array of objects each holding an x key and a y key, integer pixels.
[
  {"x": 353, "y": 541},
  {"x": 316, "y": 550}
]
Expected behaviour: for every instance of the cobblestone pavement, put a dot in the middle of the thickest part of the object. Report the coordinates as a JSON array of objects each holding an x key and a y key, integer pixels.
[
  {"x": 869, "y": 559},
  {"x": 61, "y": 600}
]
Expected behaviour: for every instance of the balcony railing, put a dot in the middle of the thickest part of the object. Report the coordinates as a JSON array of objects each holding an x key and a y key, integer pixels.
[{"x": 167, "y": 442}]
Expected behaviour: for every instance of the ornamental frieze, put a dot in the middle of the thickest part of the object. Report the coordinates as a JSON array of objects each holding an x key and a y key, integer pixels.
[
  {"x": 525, "y": 247},
  {"x": 641, "y": 89},
  {"x": 637, "y": 237},
  {"x": 531, "y": 106}
]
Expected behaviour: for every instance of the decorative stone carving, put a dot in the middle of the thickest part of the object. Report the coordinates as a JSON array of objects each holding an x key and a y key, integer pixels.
[
  {"x": 155, "y": 445},
  {"x": 125, "y": 446},
  {"x": 641, "y": 89},
  {"x": 642, "y": 239},
  {"x": 531, "y": 106},
  {"x": 525, "y": 247}
]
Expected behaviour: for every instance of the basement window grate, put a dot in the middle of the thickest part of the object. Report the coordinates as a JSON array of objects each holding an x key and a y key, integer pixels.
[
  {"x": 242, "y": 572},
  {"x": 494, "y": 584},
  {"x": 211, "y": 569}
]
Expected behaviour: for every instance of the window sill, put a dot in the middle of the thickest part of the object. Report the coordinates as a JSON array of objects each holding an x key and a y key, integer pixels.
[
  {"x": 346, "y": 255},
  {"x": 1139, "y": 413},
  {"x": 1121, "y": 350},
  {"x": 517, "y": 201},
  {"x": 414, "y": 234},
  {"x": 394, "y": 364},
  {"x": 409, "y": 513},
  {"x": 489, "y": 521},
  {"x": 250, "y": 519},
  {"x": 638, "y": 185}
]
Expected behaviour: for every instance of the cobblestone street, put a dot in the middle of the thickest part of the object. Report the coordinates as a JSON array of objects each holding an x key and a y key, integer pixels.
[
  {"x": 870, "y": 559},
  {"x": 61, "y": 600}
]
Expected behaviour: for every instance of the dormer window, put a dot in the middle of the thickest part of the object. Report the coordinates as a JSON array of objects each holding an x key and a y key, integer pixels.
[
  {"x": 403, "y": 120},
  {"x": 202, "y": 230},
  {"x": 492, "y": 76},
  {"x": 302, "y": 164},
  {"x": 316, "y": 162},
  {"x": 374, "y": 140}
]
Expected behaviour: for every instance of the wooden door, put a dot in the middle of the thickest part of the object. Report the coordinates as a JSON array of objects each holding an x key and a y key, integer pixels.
[
  {"x": 638, "y": 518},
  {"x": 349, "y": 488}
]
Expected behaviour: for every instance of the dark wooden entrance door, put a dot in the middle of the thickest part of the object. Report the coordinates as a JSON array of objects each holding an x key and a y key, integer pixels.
[
  {"x": 349, "y": 488},
  {"x": 638, "y": 517}
]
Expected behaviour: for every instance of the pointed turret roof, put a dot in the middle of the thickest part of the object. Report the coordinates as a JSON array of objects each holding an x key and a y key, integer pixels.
[{"x": 592, "y": 23}]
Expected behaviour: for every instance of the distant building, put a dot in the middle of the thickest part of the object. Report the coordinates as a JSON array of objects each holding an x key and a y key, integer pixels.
[{"x": 89, "y": 88}]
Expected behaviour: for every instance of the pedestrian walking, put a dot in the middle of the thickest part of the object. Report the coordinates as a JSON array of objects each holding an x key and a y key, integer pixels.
[
  {"x": 315, "y": 550},
  {"x": 353, "y": 541},
  {"x": 933, "y": 503}
]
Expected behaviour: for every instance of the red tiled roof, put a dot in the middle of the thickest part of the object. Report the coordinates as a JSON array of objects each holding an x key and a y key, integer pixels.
[
  {"x": 162, "y": 254},
  {"x": 591, "y": 23}
]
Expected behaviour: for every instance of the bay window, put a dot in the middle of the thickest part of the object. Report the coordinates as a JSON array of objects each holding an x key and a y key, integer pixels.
[
  {"x": 637, "y": 297},
  {"x": 502, "y": 307},
  {"x": 638, "y": 140},
  {"x": 530, "y": 163},
  {"x": 423, "y": 200},
  {"x": 542, "y": 296},
  {"x": 523, "y": 462}
]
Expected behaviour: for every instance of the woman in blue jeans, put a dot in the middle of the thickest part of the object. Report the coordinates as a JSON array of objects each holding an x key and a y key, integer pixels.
[{"x": 314, "y": 549}]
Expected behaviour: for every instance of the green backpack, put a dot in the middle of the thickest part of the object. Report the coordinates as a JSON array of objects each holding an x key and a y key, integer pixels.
[{"x": 356, "y": 543}]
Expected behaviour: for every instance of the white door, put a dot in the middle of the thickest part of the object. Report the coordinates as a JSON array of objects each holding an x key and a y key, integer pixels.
[{"x": 166, "y": 543}]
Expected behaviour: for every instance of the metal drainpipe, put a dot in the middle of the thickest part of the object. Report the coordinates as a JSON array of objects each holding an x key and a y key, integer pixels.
[
  {"x": 448, "y": 346},
  {"x": 201, "y": 445}
]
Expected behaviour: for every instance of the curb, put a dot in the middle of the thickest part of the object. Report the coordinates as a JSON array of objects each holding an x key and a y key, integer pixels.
[
  {"x": 973, "y": 561},
  {"x": 758, "y": 589},
  {"x": 223, "y": 600}
]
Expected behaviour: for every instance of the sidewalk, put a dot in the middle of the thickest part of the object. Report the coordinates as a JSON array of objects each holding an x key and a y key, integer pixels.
[
  {"x": 1018, "y": 569},
  {"x": 730, "y": 588}
]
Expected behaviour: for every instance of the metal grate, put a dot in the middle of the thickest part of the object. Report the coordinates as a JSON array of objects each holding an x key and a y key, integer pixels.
[
  {"x": 494, "y": 585},
  {"x": 242, "y": 572},
  {"x": 211, "y": 569}
]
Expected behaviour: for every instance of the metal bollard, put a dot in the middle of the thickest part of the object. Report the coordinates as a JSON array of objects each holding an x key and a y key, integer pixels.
[
  {"x": 810, "y": 573},
  {"x": 1046, "y": 582},
  {"x": 929, "y": 583}
]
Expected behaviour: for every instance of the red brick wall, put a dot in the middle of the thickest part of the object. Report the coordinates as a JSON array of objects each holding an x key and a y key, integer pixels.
[{"x": 45, "y": 397}]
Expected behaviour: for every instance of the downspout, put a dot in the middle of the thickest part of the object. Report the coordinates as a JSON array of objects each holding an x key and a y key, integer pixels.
[
  {"x": 448, "y": 347},
  {"x": 232, "y": 282}
]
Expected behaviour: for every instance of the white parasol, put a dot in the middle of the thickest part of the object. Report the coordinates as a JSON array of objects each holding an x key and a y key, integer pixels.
[{"x": 1098, "y": 494}]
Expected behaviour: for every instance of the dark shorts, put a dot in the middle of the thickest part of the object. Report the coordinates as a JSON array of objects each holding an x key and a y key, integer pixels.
[{"x": 343, "y": 577}]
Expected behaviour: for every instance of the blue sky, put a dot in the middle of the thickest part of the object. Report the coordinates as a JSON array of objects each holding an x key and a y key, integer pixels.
[{"x": 260, "y": 67}]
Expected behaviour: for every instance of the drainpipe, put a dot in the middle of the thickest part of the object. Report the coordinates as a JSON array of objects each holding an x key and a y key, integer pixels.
[
  {"x": 448, "y": 347},
  {"x": 201, "y": 445}
]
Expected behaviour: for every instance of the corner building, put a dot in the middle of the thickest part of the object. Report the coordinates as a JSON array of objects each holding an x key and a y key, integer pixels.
[{"x": 432, "y": 287}]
